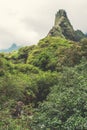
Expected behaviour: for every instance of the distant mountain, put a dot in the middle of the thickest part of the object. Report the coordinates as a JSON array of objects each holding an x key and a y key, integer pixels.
[
  {"x": 13, "y": 47},
  {"x": 63, "y": 28},
  {"x": 44, "y": 86}
]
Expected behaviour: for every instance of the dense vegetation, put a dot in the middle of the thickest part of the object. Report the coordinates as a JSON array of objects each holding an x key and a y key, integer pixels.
[{"x": 44, "y": 86}]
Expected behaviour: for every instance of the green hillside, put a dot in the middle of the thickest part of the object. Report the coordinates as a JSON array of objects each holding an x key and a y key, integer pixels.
[
  {"x": 44, "y": 86},
  {"x": 54, "y": 71}
]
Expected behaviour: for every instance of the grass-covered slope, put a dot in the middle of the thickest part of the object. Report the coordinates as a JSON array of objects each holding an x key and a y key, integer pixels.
[
  {"x": 44, "y": 86},
  {"x": 51, "y": 52}
]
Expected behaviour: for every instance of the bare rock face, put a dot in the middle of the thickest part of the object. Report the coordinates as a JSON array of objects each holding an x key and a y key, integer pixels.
[
  {"x": 59, "y": 15},
  {"x": 80, "y": 35},
  {"x": 63, "y": 28}
]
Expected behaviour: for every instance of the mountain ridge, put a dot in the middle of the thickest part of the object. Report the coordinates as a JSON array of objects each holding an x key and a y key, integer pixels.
[{"x": 44, "y": 86}]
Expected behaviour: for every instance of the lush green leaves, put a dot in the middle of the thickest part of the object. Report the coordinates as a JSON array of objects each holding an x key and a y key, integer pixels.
[{"x": 50, "y": 80}]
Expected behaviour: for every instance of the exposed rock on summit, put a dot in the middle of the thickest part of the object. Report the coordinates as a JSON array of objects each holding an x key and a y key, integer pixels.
[{"x": 63, "y": 28}]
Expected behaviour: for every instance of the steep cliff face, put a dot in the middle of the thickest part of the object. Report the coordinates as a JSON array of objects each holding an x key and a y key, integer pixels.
[
  {"x": 63, "y": 28},
  {"x": 80, "y": 35}
]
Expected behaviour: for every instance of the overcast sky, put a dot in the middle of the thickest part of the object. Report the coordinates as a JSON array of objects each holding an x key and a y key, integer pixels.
[{"x": 25, "y": 22}]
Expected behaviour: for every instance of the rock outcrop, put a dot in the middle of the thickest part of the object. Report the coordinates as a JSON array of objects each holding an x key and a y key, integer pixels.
[{"x": 63, "y": 28}]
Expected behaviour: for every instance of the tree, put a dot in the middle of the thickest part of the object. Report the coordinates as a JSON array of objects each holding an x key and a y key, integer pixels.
[{"x": 66, "y": 105}]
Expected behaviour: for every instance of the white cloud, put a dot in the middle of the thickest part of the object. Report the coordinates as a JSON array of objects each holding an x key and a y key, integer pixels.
[{"x": 27, "y": 21}]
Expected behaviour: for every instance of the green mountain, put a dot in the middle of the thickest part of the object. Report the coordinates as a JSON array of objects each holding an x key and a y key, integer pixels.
[{"x": 44, "y": 86}]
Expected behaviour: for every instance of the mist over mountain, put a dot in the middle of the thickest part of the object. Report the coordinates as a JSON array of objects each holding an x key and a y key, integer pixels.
[{"x": 13, "y": 47}]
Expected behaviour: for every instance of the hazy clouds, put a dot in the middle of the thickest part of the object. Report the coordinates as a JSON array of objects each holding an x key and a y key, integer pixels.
[{"x": 27, "y": 21}]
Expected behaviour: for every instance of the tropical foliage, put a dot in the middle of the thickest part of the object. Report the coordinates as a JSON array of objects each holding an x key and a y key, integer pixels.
[{"x": 44, "y": 86}]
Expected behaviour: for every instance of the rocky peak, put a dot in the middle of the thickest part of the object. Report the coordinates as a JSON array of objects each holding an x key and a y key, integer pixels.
[
  {"x": 63, "y": 28},
  {"x": 61, "y": 13}
]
